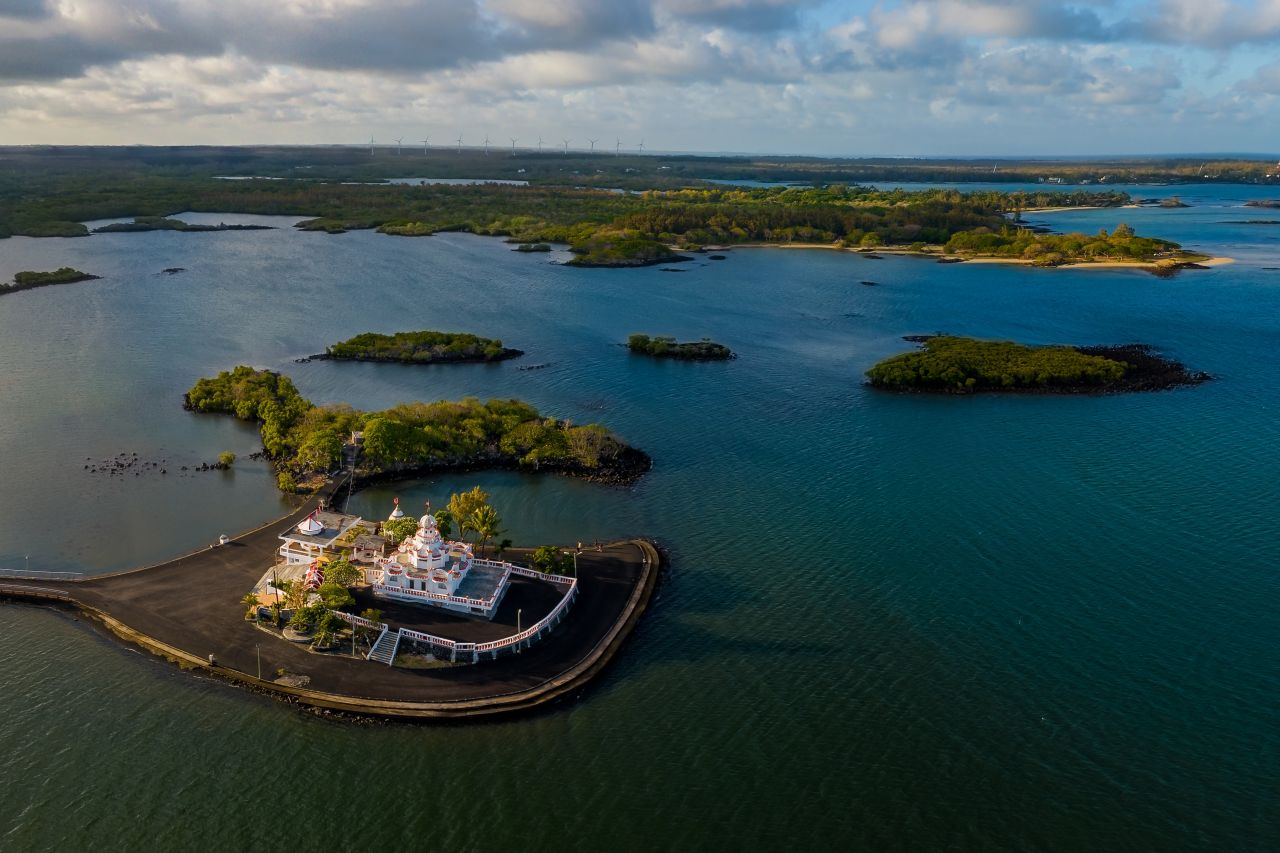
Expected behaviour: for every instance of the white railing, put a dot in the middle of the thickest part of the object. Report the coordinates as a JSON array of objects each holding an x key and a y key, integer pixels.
[
  {"x": 533, "y": 573},
  {"x": 536, "y": 628},
  {"x": 383, "y": 589},
  {"x": 357, "y": 620}
]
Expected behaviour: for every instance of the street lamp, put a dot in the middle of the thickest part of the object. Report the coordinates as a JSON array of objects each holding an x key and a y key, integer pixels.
[{"x": 518, "y": 612}]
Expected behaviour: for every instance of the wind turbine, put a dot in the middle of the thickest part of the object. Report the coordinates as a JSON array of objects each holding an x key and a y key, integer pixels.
[
  {"x": 593, "y": 144},
  {"x": 486, "y": 145},
  {"x": 370, "y": 144},
  {"x": 459, "y": 143},
  {"x": 641, "y": 146},
  {"x": 566, "y": 147},
  {"x": 617, "y": 150},
  {"x": 426, "y": 143},
  {"x": 539, "y": 144},
  {"x": 398, "y": 141},
  {"x": 513, "y": 146}
]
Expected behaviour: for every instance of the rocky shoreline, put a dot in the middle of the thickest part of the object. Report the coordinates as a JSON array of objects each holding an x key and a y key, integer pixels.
[{"x": 625, "y": 470}]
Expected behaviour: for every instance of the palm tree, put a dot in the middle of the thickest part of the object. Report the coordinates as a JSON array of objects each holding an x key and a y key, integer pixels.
[
  {"x": 250, "y": 601},
  {"x": 486, "y": 523}
]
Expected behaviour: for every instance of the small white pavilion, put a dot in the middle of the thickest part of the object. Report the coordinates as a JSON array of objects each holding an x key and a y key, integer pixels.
[{"x": 315, "y": 537}]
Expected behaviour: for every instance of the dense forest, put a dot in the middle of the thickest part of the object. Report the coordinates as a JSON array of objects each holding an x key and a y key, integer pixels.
[
  {"x": 305, "y": 441},
  {"x": 425, "y": 347}
]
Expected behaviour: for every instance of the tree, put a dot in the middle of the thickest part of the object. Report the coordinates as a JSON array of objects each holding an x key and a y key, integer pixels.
[
  {"x": 343, "y": 573},
  {"x": 463, "y": 507},
  {"x": 551, "y": 560},
  {"x": 444, "y": 523},
  {"x": 870, "y": 241},
  {"x": 502, "y": 546},
  {"x": 250, "y": 601},
  {"x": 486, "y": 523},
  {"x": 226, "y": 458},
  {"x": 400, "y": 529},
  {"x": 335, "y": 596},
  {"x": 286, "y": 483}
]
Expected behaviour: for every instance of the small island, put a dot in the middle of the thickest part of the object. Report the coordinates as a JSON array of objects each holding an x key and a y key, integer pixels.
[
  {"x": 425, "y": 347},
  {"x": 305, "y": 441},
  {"x": 957, "y": 365},
  {"x": 623, "y": 252},
  {"x": 666, "y": 347},
  {"x": 160, "y": 223},
  {"x": 533, "y": 247},
  {"x": 27, "y": 280},
  {"x": 1273, "y": 204}
]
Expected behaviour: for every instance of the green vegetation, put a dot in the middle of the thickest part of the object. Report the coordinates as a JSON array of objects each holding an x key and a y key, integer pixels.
[
  {"x": 342, "y": 572},
  {"x": 551, "y": 560},
  {"x": 160, "y": 223},
  {"x": 964, "y": 364},
  {"x": 305, "y": 441},
  {"x": 1055, "y": 249},
  {"x": 49, "y": 192},
  {"x": 226, "y": 459},
  {"x": 400, "y": 529},
  {"x": 26, "y": 280},
  {"x": 474, "y": 515},
  {"x": 622, "y": 250},
  {"x": 533, "y": 247},
  {"x": 667, "y": 347},
  {"x": 424, "y": 347}
]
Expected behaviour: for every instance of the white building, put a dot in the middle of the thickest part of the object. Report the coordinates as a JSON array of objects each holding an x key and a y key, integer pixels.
[
  {"x": 425, "y": 569},
  {"x": 315, "y": 537}
]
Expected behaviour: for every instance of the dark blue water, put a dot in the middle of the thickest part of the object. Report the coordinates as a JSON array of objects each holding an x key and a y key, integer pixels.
[{"x": 892, "y": 622}]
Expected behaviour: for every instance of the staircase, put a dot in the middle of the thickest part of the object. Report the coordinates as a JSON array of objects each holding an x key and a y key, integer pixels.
[{"x": 384, "y": 649}]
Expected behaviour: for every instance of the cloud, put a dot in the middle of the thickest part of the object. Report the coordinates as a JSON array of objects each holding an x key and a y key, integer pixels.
[{"x": 808, "y": 74}]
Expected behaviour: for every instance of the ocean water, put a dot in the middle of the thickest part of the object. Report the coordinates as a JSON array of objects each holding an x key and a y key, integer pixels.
[{"x": 890, "y": 623}]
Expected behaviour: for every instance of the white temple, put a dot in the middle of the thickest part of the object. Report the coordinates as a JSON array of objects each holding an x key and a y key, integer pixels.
[{"x": 426, "y": 569}]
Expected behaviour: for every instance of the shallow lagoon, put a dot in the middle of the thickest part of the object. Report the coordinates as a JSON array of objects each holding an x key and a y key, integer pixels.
[{"x": 1041, "y": 623}]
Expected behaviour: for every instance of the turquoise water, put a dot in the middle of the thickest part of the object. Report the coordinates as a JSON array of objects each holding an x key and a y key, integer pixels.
[{"x": 891, "y": 622}]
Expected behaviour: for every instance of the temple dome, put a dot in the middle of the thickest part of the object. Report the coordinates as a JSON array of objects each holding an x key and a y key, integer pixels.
[
  {"x": 310, "y": 526},
  {"x": 397, "y": 512}
]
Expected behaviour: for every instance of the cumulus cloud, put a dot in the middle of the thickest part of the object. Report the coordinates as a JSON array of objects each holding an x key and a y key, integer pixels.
[{"x": 728, "y": 72}]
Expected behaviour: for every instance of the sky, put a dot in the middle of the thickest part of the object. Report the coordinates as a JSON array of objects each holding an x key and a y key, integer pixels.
[{"x": 825, "y": 77}]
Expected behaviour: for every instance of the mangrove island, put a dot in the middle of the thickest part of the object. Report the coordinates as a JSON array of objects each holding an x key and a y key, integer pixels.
[
  {"x": 424, "y": 347},
  {"x": 160, "y": 223},
  {"x": 27, "y": 280},
  {"x": 667, "y": 347},
  {"x": 305, "y": 441},
  {"x": 958, "y": 365}
]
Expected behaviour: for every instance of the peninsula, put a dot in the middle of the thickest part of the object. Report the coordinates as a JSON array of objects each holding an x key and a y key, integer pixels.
[
  {"x": 27, "y": 280},
  {"x": 667, "y": 347},
  {"x": 305, "y": 441},
  {"x": 957, "y": 365},
  {"x": 425, "y": 347}
]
